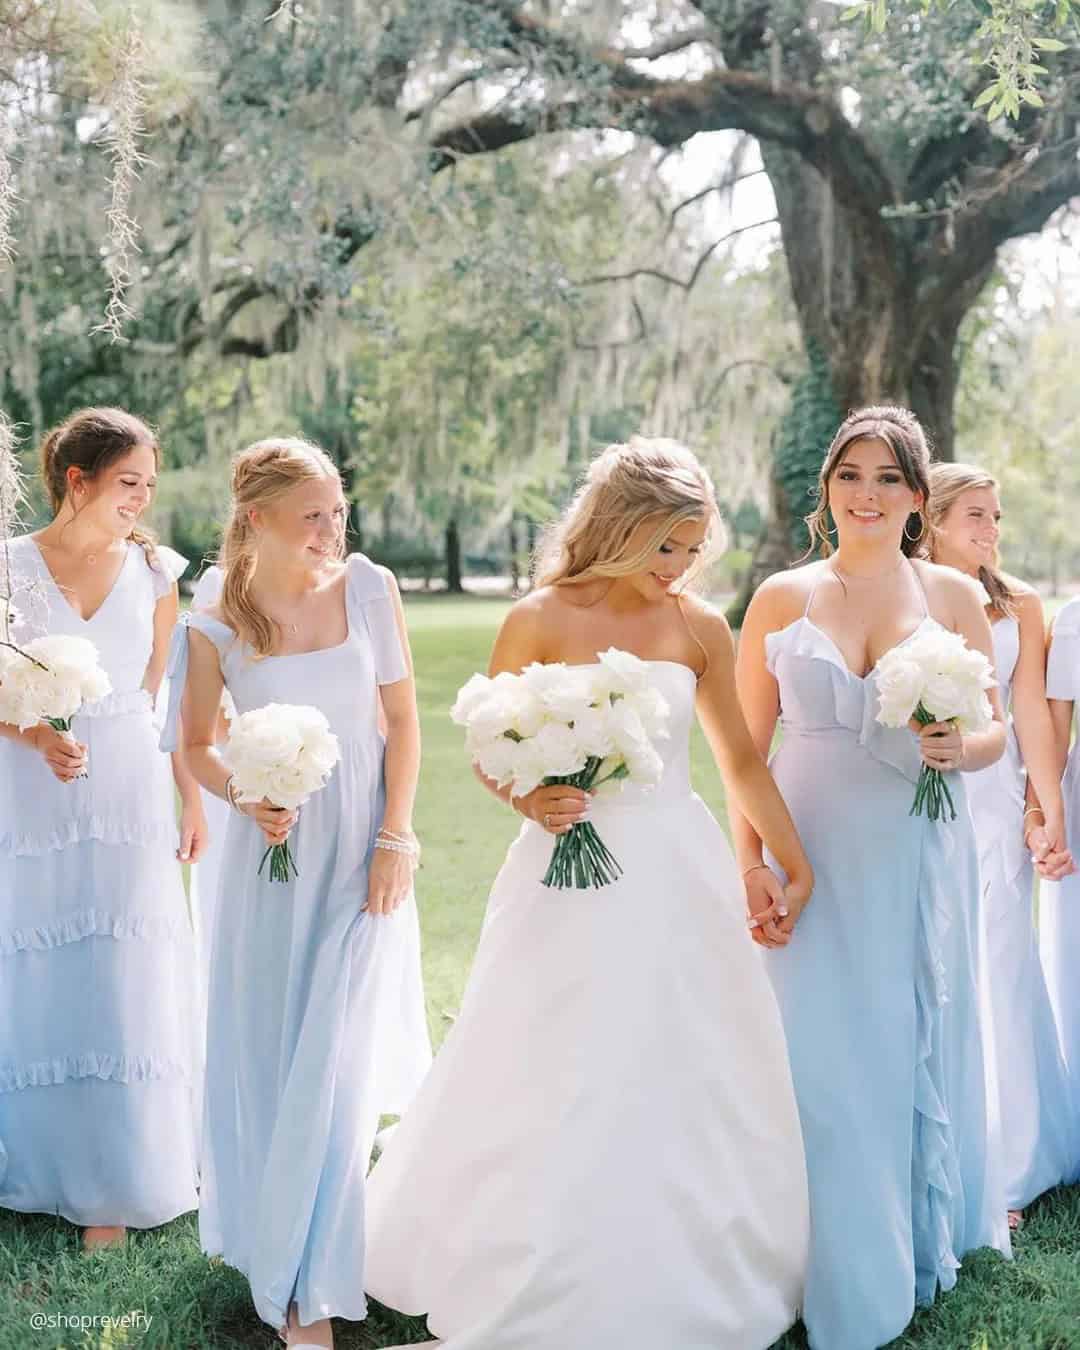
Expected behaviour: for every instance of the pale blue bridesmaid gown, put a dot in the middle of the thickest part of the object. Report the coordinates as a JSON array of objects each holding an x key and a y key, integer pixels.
[
  {"x": 878, "y": 995},
  {"x": 1037, "y": 1130},
  {"x": 316, "y": 1019},
  {"x": 99, "y": 1063},
  {"x": 1059, "y": 901}
]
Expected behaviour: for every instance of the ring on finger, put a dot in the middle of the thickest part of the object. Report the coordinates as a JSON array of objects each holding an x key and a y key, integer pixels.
[{"x": 547, "y": 820}]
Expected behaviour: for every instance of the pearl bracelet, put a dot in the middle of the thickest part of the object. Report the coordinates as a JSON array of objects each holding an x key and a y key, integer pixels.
[{"x": 411, "y": 851}]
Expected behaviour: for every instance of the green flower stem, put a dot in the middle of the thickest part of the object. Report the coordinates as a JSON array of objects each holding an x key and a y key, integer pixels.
[
  {"x": 281, "y": 862},
  {"x": 580, "y": 858},
  {"x": 931, "y": 791}
]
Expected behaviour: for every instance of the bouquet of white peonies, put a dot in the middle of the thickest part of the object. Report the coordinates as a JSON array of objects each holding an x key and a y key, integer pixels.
[
  {"x": 936, "y": 677},
  {"x": 48, "y": 679},
  {"x": 591, "y": 727},
  {"x": 281, "y": 753}
]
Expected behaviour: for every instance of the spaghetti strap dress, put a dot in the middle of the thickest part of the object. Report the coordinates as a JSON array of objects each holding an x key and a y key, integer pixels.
[{"x": 878, "y": 993}]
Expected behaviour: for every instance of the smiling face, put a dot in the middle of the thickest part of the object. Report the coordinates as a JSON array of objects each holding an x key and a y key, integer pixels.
[
  {"x": 967, "y": 535},
  {"x": 666, "y": 564},
  {"x": 305, "y": 525},
  {"x": 869, "y": 497},
  {"x": 117, "y": 495}
]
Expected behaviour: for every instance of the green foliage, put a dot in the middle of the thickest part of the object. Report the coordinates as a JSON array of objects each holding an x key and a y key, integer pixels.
[
  {"x": 804, "y": 435},
  {"x": 1010, "y": 39}
]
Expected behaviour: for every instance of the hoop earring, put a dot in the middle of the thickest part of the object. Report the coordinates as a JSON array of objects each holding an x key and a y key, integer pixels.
[{"x": 922, "y": 530}]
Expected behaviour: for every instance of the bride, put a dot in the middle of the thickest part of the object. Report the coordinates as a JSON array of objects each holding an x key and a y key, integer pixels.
[{"x": 607, "y": 1151}]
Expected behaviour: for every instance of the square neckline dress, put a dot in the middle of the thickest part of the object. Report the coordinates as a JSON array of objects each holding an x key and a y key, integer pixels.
[{"x": 316, "y": 1023}]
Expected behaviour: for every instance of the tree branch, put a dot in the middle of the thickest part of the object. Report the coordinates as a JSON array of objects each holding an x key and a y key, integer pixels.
[
  {"x": 640, "y": 336},
  {"x": 688, "y": 284}
]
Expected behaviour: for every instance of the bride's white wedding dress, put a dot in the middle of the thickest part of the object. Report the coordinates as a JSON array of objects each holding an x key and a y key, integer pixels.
[{"x": 607, "y": 1151}]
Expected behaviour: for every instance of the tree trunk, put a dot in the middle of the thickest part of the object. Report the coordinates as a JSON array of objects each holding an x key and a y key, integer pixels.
[
  {"x": 453, "y": 558},
  {"x": 857, "y": 300}
]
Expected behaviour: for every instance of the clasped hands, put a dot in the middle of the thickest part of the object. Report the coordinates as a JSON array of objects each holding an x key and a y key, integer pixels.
[
  {"x": 1044, "y": 838},
  {"x": 772, "y": 907}
]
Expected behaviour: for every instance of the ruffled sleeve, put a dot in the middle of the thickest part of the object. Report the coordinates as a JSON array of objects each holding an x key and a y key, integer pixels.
[
  {"x": 177, "y": 667},
  {"x": 170, "y": 567},
  {"x": 369, "y": 591},
  {"x": 208, "y": 588},
  {"x": 1063, "y": 662}
]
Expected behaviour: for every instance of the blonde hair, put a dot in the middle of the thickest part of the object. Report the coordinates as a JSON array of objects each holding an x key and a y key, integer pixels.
[
  {"x": 261, "y": 475},
  {"x": 647, "y": 479},
  {"x": 948, "y": 482},
  {"x": 902, "y": 432}
]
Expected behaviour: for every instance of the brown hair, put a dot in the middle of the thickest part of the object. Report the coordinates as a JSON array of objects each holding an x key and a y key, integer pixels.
[
  {"x": 947, "y": 483},
  {"x": 262, "y": 474},
  {"x": 92, "y": 440},
  {"x": 902, "y": 432},
  {"x": 646, "y": 479}
]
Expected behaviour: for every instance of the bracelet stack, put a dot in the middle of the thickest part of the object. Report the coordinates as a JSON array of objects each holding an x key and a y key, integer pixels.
[
  {"x": 399, "y": 843},
  {"x": 230, "y": 793}
]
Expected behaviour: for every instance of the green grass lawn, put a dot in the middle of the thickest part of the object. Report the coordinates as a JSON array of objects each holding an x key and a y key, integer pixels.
[{"x": 1031, "y": 1304}]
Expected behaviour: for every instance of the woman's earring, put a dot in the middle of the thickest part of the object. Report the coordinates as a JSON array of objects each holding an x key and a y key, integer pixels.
[{"x": 922, "y": 529}]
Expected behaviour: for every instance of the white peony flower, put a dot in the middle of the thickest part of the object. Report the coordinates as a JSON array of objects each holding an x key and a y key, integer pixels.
[
  {"x": 471, "y": 695},
  {"x": 498, "y": 759},
  {"x": 899, "y": 684},
  {"x": 63, "y": 675},
  {"x": 563, "y": 690},
  {"x": 529, "y": 768},
  {"x": 940, "y": 671},
  {"x": 559, "y": 750},
  {"x": 282, "y": 752},
  {"x": 626, "y": 673},
  {"x": 593, "y": 729}
]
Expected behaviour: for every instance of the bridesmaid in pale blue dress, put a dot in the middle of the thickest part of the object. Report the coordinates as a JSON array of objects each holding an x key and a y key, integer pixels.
[
  {"x": 99, "y": 1065},
  {"x": 1037, "y": 1129},
  {"x": 316, "y": 1019},
  {"x": 878, "y": 987},
  {"x": 1059, "y": 890}
]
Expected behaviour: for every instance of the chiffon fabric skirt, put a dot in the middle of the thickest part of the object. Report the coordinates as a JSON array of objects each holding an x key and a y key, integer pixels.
[
  {"x": 1037, "y": 1129},
  {"x": 878, "y": 992}
]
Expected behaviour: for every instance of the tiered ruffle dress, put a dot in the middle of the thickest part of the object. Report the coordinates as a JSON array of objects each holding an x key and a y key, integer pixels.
[{"x": 98, "y": 1055}]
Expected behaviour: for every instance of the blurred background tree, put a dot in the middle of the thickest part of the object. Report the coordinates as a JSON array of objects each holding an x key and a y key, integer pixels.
[{"x": 463, "y": 242}]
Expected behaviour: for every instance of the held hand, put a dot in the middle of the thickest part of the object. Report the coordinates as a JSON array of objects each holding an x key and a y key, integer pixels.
[
  {"x": 767, "y": 906},
  {"x": 390, "y": 879},
  {"x": 941, "y": 746},
  {"x": 276, "y": 822},
  {"x": 1053, "y": 823},
  {"x": 1050, "y": 863},
  {"x": 194, "y": 833},
  {"x": 796, "y": 896},
  {"x": 556, "y": 809},
  {"x": 65, "y": 756}
]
